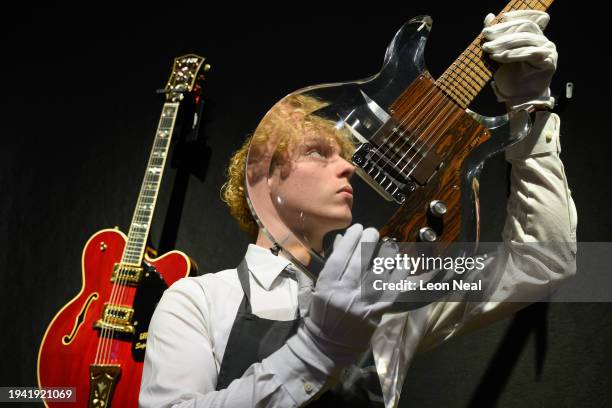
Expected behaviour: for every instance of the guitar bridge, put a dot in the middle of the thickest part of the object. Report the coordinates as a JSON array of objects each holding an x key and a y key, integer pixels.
[
  {"x": 377, "y": 177},
  {"x": 102, "y": 381},
  {"x": 116, "y": 319}
]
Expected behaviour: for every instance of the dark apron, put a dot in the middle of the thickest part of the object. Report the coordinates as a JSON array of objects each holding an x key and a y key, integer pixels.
[{"x": 253, "y": 338}]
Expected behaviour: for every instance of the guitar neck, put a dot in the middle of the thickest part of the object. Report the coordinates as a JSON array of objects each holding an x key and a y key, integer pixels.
[
  {"x": 141, "y": 220},
  {"x": 472, "y": 70}
]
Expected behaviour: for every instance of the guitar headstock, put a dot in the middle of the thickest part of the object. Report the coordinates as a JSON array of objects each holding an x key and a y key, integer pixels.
[{"x": 187, "y": 74}]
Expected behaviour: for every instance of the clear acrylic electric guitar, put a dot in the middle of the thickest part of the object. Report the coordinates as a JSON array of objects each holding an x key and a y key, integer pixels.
[{"x": 417, "y": 148}]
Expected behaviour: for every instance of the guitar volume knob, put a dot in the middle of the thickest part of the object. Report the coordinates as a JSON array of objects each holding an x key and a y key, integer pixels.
[
  {"x": 427, "y": 234},
  {"x": 438, "y": 208}
]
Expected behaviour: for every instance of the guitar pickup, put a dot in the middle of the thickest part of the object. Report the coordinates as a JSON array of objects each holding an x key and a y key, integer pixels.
[
  {"x": 116, "y": 318},
  {"x": 126, "y": 274}
]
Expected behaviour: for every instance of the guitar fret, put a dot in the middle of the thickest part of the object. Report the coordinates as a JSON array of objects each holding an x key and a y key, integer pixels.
[
  {"x": 481, "y": 64},
  {"x": 444, "y": 85},
  {"x": 451, "y": 87},
  {"x": 472, "y": 83},
  {"x": 469, "y": 67},
  {"x": 528, "y": 5},
  {"x": 153, "y": 179},
  {"x": 473, "y": 67},
  {"x": 142, "y": 216},
  {"x": 456, "y": 76},
  {"x": 141, "y": 219},
  {"x": 454, "y": 96}
]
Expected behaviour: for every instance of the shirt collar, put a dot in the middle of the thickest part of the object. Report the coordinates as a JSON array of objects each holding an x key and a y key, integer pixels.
[{"x": 264, "y": 265}]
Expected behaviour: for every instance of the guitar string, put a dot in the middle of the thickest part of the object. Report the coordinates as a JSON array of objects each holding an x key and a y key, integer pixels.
[
  {"x": 383, "y": 156},
  {"x": 401, "y": 134},
  {"x": 427, "y": 121},
  {"x": 441, "y": 135},
  {"x": 461, "y": 59},
  {"x": 444, "y": 77},
  {"x": 117, "y": 298},
  {"x": 160, "y": 143},
  {"x": 457, "y": 93},
  {"x": 104, "y": 348},
  {"x": 446, "y": 110},
  {"x": 427, "y": 101}
]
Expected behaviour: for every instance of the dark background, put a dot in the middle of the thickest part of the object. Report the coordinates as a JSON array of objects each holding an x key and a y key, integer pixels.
[{"x": 78, "y": 117}]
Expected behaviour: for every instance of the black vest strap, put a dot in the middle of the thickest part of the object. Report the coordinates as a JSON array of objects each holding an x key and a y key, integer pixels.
[{"x": 252, "y": 338}]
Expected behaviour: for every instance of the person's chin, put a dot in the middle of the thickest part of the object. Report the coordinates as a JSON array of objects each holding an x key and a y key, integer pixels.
[{"x": 343, "y": 221}]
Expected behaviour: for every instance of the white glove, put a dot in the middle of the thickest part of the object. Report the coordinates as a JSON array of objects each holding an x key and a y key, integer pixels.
[
  {"x": 340, "y": 321},
  {"x": 528, "y": 58}
]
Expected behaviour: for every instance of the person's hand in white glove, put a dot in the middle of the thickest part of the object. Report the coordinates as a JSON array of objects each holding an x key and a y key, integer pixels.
[
  {"x": 340, "y": 322},
  {"x": 528, "y": 58}
]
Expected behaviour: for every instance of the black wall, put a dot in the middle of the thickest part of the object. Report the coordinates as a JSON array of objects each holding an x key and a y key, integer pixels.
[{"x": 79, "y": 111}]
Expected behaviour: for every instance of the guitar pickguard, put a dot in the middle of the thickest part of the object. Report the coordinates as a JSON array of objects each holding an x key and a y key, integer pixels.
[{"x": 148, "y": 293}]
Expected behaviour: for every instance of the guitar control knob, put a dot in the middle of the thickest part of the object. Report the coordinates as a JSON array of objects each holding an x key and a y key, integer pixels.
[
  {"x": 438, "y": 208},
  {"x": 427, "y": 234}
]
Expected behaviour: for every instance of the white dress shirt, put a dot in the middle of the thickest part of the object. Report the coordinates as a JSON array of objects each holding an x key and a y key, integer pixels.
[{"x": 190, "y": 328}]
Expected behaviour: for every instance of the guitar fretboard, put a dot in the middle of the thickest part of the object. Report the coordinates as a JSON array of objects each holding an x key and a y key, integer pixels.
[
  {"x": 471, "y": 71},
  {"x": 141, "y": 220}
]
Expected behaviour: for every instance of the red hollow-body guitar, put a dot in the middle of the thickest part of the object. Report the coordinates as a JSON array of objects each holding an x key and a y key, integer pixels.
[{"x": 96, "y": 343}]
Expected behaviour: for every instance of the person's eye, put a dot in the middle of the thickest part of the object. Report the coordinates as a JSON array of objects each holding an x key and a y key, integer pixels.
[{"x": 315, "y": 153}]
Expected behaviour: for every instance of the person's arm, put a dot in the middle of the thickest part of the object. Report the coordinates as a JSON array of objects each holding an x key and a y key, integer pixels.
[
  {"x": 540, "y": 209},
  {"x": 180, "y": 368}
]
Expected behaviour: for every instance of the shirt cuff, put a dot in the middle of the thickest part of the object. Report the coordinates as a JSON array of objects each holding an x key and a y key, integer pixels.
[
  {"x": 300, "y": 380},
  {"x": 543, "y": 138}
]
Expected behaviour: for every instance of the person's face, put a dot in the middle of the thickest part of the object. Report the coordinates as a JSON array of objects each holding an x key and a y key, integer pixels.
[{"x": 311, "y": 189}]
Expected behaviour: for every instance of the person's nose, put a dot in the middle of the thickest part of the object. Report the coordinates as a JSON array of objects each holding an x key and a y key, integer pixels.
[{"x": 346, "y": 169}]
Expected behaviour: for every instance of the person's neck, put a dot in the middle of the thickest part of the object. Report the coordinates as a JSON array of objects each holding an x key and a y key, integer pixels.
[{"x": 296, "y": 250}]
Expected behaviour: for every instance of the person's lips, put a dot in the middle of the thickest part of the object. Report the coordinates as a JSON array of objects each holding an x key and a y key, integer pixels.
[{"x": 346, "y": 189}]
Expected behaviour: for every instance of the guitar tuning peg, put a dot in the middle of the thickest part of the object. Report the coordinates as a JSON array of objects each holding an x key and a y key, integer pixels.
[{"x": 207, "y": 67}]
